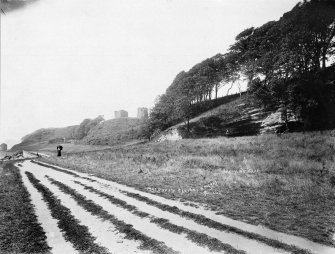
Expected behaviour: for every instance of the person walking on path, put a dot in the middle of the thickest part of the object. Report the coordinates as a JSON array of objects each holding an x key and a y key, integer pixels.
[{"x": 59, "y": 150}]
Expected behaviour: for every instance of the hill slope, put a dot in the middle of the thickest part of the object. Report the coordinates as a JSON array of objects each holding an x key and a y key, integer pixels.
[
  {"x": 110, "y": 132},
  {"x": 45, "y": 136},
  {"x": 238, "y": 117},
  {"x": 114, "y": 131}
]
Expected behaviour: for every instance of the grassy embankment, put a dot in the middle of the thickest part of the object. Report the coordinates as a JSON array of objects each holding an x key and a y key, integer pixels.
[
  {"x": 286, "y": 183},
  {"x": 20, "y": 231}
]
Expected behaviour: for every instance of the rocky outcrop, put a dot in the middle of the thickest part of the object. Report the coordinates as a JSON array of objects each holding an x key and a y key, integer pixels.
[
  {"x": 19, "y": 156},
  {"x": 171, "y": 134},
  {"x": 241, "y": 120},
  {"x": 274, "y": 122}
]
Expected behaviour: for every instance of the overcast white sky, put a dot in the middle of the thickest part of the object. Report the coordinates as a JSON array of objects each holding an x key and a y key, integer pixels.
[{"x": 66, "y": 60}]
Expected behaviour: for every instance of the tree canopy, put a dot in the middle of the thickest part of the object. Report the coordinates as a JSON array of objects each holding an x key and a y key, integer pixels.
[{"x": 285, "y": 63}]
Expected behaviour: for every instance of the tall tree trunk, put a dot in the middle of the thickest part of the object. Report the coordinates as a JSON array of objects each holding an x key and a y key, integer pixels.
[
  {"x": 216, "y": 91},
  {"x": 286, "y": 120},
  {"x": 230, "y": 87},
  {"x": 239, "y": 88},
  {"x": 324, "y": 58}
]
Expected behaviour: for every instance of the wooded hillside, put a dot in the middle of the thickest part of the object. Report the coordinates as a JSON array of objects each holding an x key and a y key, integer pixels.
[{"x": 285, "y": 63}]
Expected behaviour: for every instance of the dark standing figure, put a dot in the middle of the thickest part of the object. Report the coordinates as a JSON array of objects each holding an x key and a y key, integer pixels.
[{"x": 59, "y": 150}]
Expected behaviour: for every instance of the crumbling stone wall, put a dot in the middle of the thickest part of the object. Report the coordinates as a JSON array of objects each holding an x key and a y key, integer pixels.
[
  {"x": 3, "y": 147},
  {"x": 120, "y": 114}
]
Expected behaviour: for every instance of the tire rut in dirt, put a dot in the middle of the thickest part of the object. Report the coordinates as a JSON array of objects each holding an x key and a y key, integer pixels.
[
  {"x": 196, "y": 217},
  {"x": 177, "y": 242},
  {"x": 20, "y": 231},
  {"x": 203, "y": 220},
  {"x": 63, "y": 171},
  {"x": 74, "y": 232},
  {"x": 199, "y": 238},
  {"x": 147, "y": 243}
]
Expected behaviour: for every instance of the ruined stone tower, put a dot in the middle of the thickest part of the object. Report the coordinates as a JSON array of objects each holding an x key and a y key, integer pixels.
[
  {"x": 3, "y": 147},
  {"x": 142, "y": 113},
  {"x": 120, "y": 114}
]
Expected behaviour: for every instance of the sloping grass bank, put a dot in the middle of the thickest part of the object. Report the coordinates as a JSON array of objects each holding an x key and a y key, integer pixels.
[
  {"x": 20, "y": 231},
  {"x": 285, "y": 182}
]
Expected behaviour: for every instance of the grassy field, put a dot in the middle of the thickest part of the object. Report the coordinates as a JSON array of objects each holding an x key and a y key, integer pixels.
[
  {"x": 19, "y": 230},
  {"x": 67, "y": 147},
  {"x": 285, "y": 182}
]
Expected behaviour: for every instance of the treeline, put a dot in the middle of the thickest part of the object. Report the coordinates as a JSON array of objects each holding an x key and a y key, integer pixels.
[
  {"x": 78, "y": 132},
  {"x": 85, "y": 126},
  {"x": 57, "y": 135},
  {"x": 285, "y": 63}
]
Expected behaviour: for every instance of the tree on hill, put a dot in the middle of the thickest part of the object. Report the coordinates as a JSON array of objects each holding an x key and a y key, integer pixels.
[
  {"x": 283, "y": 57},
  {"x": 284, "y": 61},
  {"x": 86, "y": 125}
]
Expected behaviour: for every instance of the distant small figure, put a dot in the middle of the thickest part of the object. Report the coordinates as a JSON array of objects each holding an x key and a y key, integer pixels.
[
  {"x": 59, "y": 150},
  {"x": 227, "y": 132}
]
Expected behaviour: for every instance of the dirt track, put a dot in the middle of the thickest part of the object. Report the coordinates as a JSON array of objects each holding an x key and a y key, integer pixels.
[{"x": 121, "y": 219}]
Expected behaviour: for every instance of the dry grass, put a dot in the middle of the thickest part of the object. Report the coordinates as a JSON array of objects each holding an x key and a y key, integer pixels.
[{"x": 286, "y": 183}]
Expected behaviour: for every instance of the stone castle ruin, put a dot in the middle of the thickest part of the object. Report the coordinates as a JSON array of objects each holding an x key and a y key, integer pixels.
[
  {"x": 142, "y": 113},
  {"x": 3, "y": 147},
  {"x": 120, "y": 114}
]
